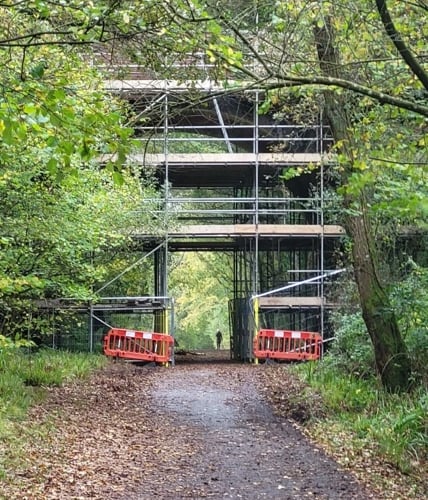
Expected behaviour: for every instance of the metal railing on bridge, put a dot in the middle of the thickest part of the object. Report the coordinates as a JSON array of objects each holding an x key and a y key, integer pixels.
[{"x": 236, "y": 210}]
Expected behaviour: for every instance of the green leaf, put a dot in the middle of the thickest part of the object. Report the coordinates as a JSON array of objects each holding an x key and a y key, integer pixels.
[{"x": 38, "y": 70}]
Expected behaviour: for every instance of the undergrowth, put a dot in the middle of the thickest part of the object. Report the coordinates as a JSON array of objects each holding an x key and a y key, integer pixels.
[
  {"x": 391, "y": 426},
  {"x": 394, "y": 427},
  {"x": 23, "y": 378}
]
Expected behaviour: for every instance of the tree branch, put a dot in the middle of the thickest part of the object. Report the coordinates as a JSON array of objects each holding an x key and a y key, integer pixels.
[
  {"x": 397, "y": 40},
  {"x": 290, "y": 81}
]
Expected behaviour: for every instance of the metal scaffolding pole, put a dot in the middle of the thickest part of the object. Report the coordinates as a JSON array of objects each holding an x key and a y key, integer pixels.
[
  {"x": 223, "y": 128},
  {"x": 322, "y": 263},
  {"x": 164, "y": 290},
  {"x": 208, "y": 223},
  {"x": 256, "y": 193}
]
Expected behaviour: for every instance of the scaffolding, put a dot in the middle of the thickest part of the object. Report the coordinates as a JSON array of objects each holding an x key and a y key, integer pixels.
[
  {"x": 239, "y": 181},
  {"x": 88, "y": 322}
]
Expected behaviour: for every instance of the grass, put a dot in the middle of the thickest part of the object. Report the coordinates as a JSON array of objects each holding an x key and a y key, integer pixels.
[
  {"x": 401, "y": 429},
  {"x": 48, "y": 367},
  {"x": 23, "y": 379},
  {"x": 53, "y": 368},
  {"x": 389, "y": 426}
]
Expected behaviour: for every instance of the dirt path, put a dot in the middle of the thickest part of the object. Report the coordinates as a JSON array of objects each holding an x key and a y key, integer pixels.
[
  {"x": 244, "y": 451},
  {"x": 192, "y": 431}
]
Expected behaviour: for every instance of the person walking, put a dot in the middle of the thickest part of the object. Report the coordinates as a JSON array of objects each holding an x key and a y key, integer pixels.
[{"x": 219, "y": 338}]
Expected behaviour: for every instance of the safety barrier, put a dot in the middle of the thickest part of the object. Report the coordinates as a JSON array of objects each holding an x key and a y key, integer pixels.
[
  {"x": 138, "y": 346},
  {"x": 287, "y": 345}
]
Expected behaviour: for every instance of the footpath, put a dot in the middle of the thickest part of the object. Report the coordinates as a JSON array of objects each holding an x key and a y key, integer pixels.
[{"x": 197, "y": 430}]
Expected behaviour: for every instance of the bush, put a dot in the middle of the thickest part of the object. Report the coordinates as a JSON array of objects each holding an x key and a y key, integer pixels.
[
  {"x": 409, "y": 298},
  {"x": 9, "y": 348},
  {"x": 417, "y": 343},
  {"x": 351, "y": 351}
]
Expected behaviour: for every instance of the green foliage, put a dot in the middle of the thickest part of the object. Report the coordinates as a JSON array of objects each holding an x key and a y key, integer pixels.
[
  {"x": 61, "y": 115},
  {"x": 183, "y": 143},
  {"x": 401, "y": 427},
  {"x": 62, "y": 218},
  {"x": 409, "y": 297},
  {"x": 200, "y": 285},
  {"x": 62, "y": 244},
  {"x": 343, "y": 392},
  {"x": 351, "y": 351},
  {"x": 14, "y": 396},
  {"x": 391, "y": 425},
  {"x": 9, "y": 348},
  {"x": 388, "y": 159},
  {"x": 64, "y": 222}
]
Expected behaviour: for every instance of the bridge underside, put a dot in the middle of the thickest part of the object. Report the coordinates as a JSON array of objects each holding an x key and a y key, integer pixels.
[{"x": 263, "y": 262}]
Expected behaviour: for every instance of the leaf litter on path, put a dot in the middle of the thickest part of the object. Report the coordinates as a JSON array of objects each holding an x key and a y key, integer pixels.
[{"x": 198, "y": 430}]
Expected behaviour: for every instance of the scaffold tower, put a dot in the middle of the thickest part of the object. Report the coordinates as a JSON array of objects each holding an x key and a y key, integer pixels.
[{"x": 228, "y": 177}]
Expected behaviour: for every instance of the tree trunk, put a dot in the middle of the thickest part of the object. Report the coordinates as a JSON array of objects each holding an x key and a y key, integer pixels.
[{"x": 392, "y": 359}]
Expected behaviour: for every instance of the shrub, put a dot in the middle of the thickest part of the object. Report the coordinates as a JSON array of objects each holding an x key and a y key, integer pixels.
[
  {"x": 351, "y": 351},
  {"x": 409, "y": 298}
]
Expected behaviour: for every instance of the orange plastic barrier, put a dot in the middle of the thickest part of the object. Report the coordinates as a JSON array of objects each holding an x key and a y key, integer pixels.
[
  {"x": 138, "y": 346},
  {"x": 287, "y": 345}
]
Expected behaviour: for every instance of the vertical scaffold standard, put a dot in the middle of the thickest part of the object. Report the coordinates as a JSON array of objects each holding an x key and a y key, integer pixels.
[
  {"x": 138, "y": 345},
  {"x": 287, "y": 345}
]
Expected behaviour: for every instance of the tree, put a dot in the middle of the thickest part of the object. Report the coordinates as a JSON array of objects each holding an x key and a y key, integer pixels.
[
  {"x": 65, "y": 221},
  {"x": 391, "y": 356}
]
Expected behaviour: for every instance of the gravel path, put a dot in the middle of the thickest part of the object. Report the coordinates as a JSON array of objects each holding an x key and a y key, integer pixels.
[
  {"x": 198, "y": 430},
  {"x": 241, "y": 450}
]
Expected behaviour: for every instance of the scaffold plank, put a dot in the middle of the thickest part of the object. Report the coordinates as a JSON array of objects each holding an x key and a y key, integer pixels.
[
  {"x": 251, "y": 230},
  {"x": 132, "y": 85},
  {"x": 284, "y": 302},
  {"x": 195, "y": 159},
  {"x": 260, "y": 229}
]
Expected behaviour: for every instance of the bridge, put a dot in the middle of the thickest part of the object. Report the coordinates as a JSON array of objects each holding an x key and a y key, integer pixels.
[
  {"x": 228, "y": 177},
  {"x": 237, "y": 180}
]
